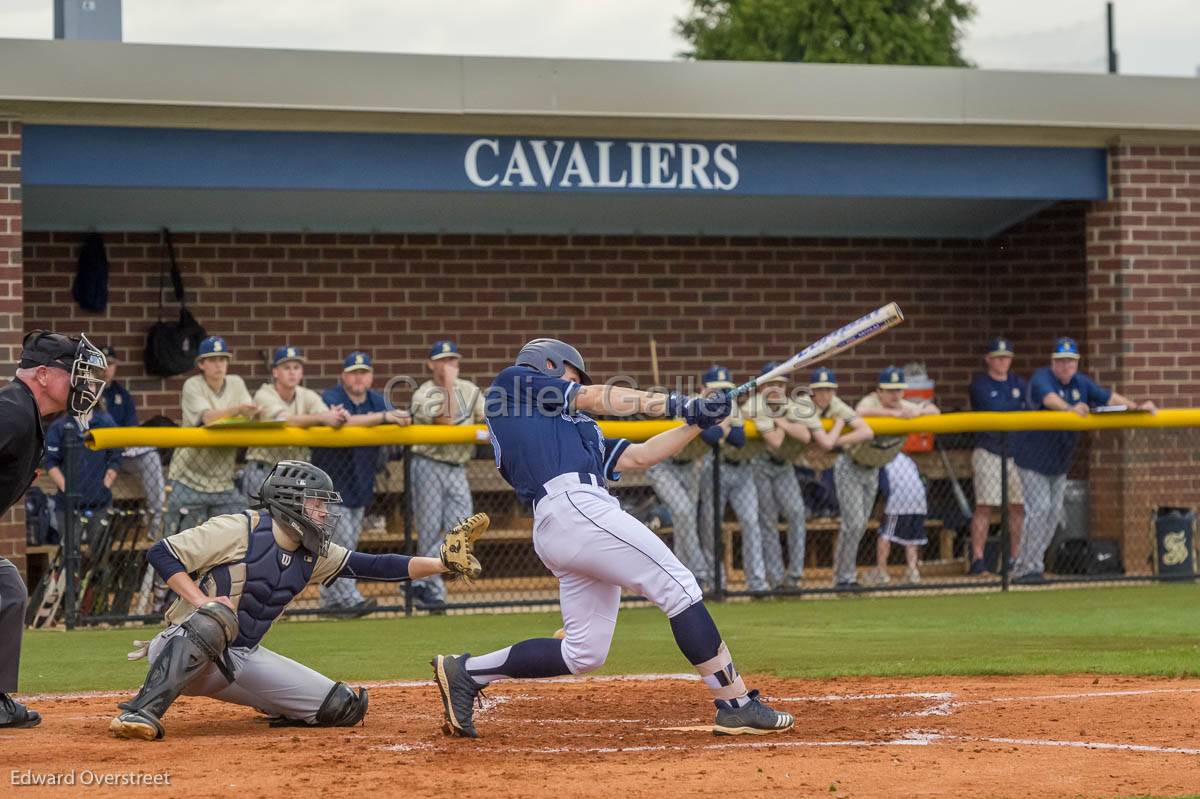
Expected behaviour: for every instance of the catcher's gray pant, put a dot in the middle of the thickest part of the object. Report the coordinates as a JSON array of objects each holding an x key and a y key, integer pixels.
[
  {"x": 441, "y": 499},
  {"x": 779, "y": 493},
  {"x": 12, "y": 623},
  {"x": 188, "y": 508},
  {"x": 737, "y": 487},
  {"x": 675, "y": 484},
  {"x": 344, "y": 592},
  {"x": 856, "y": 489},
  {"x": 263, "y": 679},
  {"x": 147, "y": 466},
  {"x": 1044, "y": 495}
]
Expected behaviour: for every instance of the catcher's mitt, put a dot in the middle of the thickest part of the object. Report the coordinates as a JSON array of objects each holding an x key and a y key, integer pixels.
[{"x": 456, "y": 551}]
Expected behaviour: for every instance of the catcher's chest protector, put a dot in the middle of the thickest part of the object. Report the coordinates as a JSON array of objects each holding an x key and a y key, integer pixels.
[{"x": 273, "y": 577}]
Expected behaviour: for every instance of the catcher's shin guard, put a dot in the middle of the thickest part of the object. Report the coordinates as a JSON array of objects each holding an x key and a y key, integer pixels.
[
  {"x": 206, "y": 634},
  {"x": 341, "y": 708}
]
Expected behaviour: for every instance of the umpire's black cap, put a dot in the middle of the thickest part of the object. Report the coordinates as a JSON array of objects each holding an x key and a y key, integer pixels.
[{"x": 44, "y": 348}]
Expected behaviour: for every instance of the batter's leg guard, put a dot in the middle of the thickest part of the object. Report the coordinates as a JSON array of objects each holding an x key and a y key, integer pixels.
[{"x": 206, "y": 635}]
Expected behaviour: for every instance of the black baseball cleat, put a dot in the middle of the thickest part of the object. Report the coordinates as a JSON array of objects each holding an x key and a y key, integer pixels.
[
  {"x": 14, "y": 714},
  {"x": 458, "y": 692},
  {"x": 752, "y": 718}
]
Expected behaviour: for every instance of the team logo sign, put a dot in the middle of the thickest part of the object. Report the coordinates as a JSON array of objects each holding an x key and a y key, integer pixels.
[{"x": 1175, "y": 549}]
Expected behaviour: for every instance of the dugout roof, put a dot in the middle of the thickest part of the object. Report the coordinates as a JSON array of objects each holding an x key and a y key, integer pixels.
[{"x": 139, "y": 136}]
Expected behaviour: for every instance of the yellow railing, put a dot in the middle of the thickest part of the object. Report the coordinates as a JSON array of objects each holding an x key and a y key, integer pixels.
[{"x": 252, "y": 435}]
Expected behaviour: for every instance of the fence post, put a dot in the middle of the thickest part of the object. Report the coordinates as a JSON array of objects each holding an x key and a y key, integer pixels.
[
  {"x": 71, "y": 534},
  {"x": 1005, "y": 538},
  {"x": 406, "y": 500},
  {"x": 718, "y": 536}
]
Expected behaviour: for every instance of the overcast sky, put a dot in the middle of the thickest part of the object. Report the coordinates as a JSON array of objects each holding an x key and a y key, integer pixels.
[{"x": 1154, "y": 37}]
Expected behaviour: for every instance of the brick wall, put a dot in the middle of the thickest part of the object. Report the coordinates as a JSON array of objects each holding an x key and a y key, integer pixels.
[
  {"x": 12, "y": 522},
  {"x": 1143, "y": 314},
  {"x": 735, "y": 301}
]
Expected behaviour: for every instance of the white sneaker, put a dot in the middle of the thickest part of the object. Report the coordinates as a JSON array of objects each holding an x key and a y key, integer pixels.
[
  {"x": 876, "y": 577},
  {"x": 912, "y": 576}
]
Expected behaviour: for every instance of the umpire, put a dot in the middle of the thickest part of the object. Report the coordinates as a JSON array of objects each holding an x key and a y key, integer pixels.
[{"x": 56, "y": 372}]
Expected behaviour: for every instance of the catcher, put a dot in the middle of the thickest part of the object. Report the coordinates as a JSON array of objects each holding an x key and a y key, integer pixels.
[{"x": 234, "y": 575}]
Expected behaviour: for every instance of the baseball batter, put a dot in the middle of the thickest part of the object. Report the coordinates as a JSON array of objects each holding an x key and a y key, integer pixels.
[
  {"x": 247, "y": 568},
  {"x": 552, "y": 452},
  {"x": 786, "y": 426}
]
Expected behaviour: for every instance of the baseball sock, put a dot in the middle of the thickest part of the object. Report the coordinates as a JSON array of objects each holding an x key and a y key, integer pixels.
[
  {"x": 536, "y": 657},
  {"x": 698, "y": 639}
]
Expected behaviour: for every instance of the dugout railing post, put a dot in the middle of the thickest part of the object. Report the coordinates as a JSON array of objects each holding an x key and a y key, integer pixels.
[
  {"x": 70, "y": 533},
  {"x": 407, "y": 513},
  {"x": 1005, "y": 536},
  {"x": 718, "y": 538}
]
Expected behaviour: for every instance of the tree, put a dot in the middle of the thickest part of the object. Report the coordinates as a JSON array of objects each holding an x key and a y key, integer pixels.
[{"x": 914, "y": 32}]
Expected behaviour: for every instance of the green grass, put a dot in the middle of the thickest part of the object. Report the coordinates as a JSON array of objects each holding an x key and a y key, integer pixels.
[{"x": 1143, "y": 630}]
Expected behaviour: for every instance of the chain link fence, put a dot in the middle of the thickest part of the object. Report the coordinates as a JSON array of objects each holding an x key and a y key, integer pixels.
[{"x": 948, "y": 512}]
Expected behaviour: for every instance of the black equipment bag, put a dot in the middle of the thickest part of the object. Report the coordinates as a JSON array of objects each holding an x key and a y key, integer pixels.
[{"x": 171, "y": 347}]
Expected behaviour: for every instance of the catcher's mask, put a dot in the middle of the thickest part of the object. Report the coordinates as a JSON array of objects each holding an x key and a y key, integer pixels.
[
  {"x": 75, "y": 355},
  {"x": 298, "y": 494}
]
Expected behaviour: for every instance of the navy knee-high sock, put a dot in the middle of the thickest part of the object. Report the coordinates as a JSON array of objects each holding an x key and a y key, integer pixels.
[
  {"x": 700, "y": 642},
  {"x": 536, "y": 657}
]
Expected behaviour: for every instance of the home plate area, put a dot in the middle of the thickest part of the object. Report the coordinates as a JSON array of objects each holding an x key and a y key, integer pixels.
[{"x": 651, "y": 736}]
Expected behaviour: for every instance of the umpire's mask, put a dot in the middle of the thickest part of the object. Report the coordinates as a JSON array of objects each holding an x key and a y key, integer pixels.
[
  {"x": 78, "y": 357},
  {"x": 297, "y": 494}
]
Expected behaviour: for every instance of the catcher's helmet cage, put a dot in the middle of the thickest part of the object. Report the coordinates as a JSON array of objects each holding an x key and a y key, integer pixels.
[{"x": 283, "y": 494}]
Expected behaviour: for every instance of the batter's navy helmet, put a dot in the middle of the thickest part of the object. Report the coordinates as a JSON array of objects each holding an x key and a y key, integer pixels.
[{"x": 536, "y": 353}]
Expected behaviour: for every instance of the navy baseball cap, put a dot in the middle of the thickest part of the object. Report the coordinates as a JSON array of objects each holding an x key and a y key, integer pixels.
[
  {"x": 1000, "y": 346},
  {"x": 892, "y": 377},
  {"x": 768, "y": 366},
  {"x": 287, "y": 353},
  {"x": 718, "y": 377},
  {"x": 443, "y": 349},
  {"x": 213, "y": 347},
  {"x": 823, "y": 378},
  {"x": 357, "y": 362},
  {"x": 1066, "y": 348}
]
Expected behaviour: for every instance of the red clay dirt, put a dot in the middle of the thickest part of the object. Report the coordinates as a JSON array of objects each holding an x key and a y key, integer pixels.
[{"x": 1003, "y": 737}]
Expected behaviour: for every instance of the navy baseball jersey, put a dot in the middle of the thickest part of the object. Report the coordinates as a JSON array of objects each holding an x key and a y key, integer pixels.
[
  {"x": 537, "y": 435},
  {"x": 1050, "y": 451},
  {"x": 996, "y": 395}
]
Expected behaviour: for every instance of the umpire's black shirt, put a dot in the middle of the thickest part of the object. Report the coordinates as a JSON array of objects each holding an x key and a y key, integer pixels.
[{"x": 21, "y": 441}]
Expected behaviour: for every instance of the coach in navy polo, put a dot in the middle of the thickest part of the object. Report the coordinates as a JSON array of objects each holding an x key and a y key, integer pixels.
[
  {"x": 1044, "y": 457},
  {"x": 997, "y": 389},
  {"x": 353, "y": 469}
]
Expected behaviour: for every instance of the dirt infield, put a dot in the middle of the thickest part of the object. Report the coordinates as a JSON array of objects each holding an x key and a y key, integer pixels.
[{"x": 1018, "y": 737}]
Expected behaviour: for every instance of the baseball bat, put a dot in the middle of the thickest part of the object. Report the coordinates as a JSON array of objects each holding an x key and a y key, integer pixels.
[
  {"x": 964, "y": 507},
  {"x": 654, "y": 361},
  {"x": 840, "y": 340}
]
